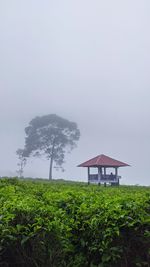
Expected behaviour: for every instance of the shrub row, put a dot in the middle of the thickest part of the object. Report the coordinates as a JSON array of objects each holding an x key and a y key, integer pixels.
[{"x": 45, "y": 224}]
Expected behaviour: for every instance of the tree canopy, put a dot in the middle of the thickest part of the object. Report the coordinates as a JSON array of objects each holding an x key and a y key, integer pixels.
[{"x": 51, "y": 136}]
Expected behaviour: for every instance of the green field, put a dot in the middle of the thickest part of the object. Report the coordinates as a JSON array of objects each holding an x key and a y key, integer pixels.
[{"x": 52, "y": 224}]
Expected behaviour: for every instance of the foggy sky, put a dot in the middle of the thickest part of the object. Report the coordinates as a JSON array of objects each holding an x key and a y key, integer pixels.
[{"x": 87, "y": 61}]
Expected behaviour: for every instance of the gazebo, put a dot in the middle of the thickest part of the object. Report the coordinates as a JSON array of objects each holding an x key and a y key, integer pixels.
[{"x": 102, "y": 163}]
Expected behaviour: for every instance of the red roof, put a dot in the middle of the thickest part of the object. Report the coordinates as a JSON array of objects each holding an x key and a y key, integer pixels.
[{"x": 103, "y": 161}]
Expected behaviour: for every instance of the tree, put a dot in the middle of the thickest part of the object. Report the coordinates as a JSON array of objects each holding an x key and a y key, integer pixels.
[
  {"x": 51, "y": 136},
  {"x": 22, "y": 161}
]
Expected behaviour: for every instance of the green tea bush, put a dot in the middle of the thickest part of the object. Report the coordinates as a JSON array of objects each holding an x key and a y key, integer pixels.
[{"x": 44, "y": 224}]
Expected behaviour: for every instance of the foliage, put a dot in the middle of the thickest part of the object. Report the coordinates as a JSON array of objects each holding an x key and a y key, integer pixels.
[
  {"x": 50, "y": 135},
  {"x": 72, "y": 224}
]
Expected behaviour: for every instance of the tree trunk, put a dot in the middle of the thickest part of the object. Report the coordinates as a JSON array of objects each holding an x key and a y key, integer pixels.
[
  {"x": 51, "y": 160},
  {"x": 50, "y": 168}
]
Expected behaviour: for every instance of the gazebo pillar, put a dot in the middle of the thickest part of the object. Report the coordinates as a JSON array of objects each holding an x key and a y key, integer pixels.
[
  {"x": 88, "y": 175},
  {"x": 99, "y": 175},
  {"x": 116, "y": 173},
  {"x": 105, "y": 171}
]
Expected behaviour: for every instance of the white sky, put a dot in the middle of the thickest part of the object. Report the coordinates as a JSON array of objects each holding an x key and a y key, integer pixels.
[{"x": 87, "y": 61}]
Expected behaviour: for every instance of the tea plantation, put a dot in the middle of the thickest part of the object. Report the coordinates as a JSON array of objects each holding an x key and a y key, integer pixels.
[{"x": 58, "y": 224}]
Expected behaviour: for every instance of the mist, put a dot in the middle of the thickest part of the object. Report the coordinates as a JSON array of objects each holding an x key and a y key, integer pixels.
[{"x": 86, "y": 61}]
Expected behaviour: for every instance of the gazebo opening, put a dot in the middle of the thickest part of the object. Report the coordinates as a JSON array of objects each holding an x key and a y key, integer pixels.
[{"x": 107, "y": 170}]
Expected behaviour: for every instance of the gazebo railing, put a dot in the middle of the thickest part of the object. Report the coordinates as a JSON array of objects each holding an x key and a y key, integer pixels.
[
  {"x": 104, "y": 178},
  {"x": 93, "y": 177}
]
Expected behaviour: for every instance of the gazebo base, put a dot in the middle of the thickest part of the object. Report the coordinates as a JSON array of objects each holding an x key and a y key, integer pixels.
[{"x": 104, "y": 183}]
